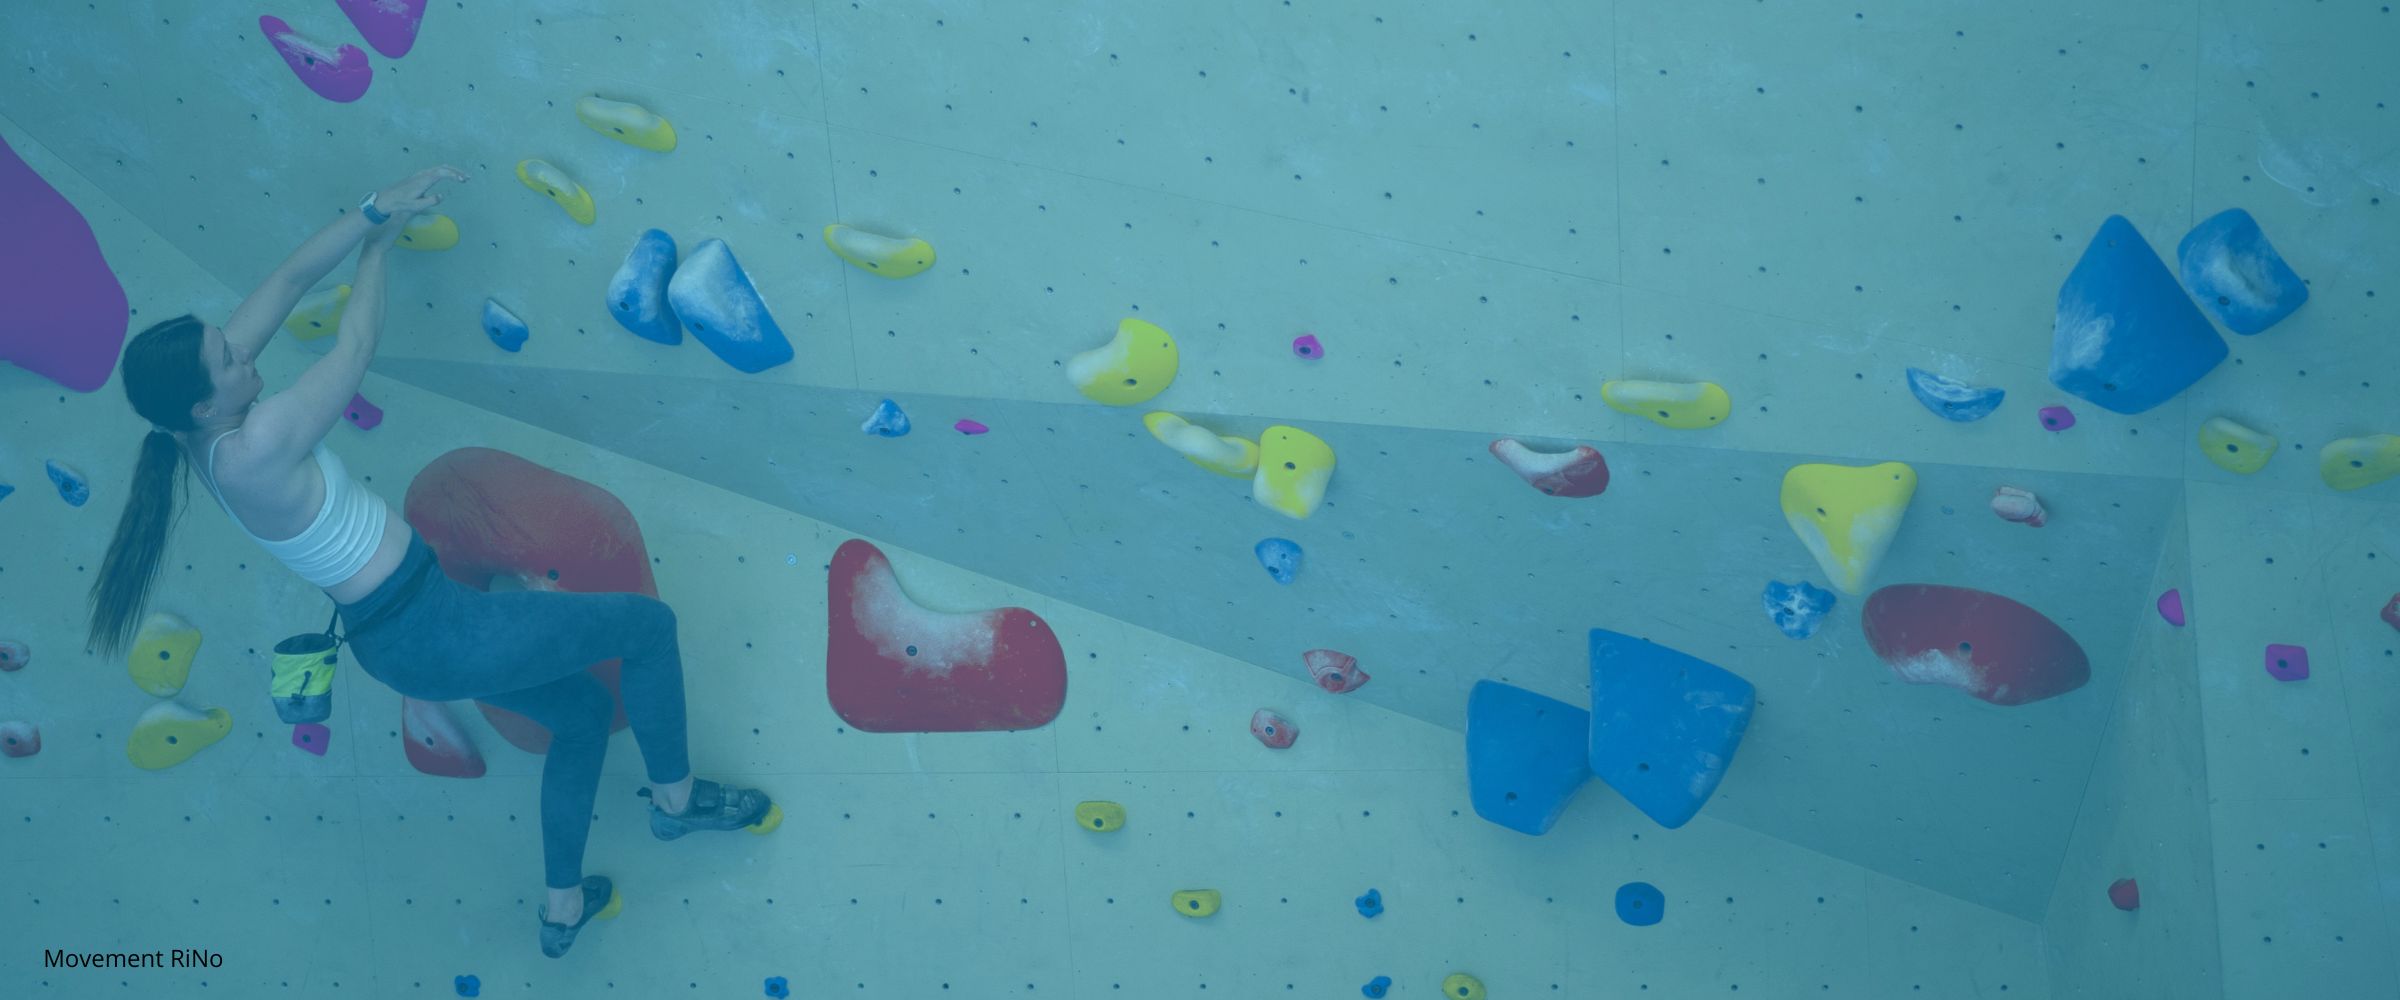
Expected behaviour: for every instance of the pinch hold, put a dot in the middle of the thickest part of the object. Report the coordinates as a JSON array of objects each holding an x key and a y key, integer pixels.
[
  {"x": 1335, "y": 671},
  {"x": 2013, "y": 504}
]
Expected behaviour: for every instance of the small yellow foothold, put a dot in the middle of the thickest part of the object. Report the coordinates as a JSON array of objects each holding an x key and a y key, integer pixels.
[
  {"x": 2359, "y": 462},
  {"x": 1137, "y": 364},
  {"x": 1460, "y": 986},
  {"x": 561, "y": 188},
  {"x": 1847, "y": 515},
  {"x": 1294, "y": 467},
  {"x": 429, "y": 232},
  {"x": 631, "y": 124},
  {"x": 889, "y": 256},
  {"x": 2235, "y": 447},
  {"x": 1223, "y": 455},
  {"x": 1100, "y": 817},
  {"x": 766, "y": 824},
  {"x": 1681, "y": 405},
  {"x": 161, "y": 657},
  {"x": 319, "y": 314},
  {"x": 616, "y": 905},
  {"x": 169, "y": 734},
  {"x": 1197, "y": 903}
]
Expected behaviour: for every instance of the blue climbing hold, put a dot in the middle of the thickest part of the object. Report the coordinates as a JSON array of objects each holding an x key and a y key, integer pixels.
[
  {"x": 778, "y": 988},
  {"x": 5, "y": 490},
  {"x": 887, "y": 420},
  {"x": 637, "y": 296},
  {"x": 72, "y": 487},
  {"x": 1952, "y": 399},
  {"x": 1281, "y": 557},
  {"x": 1525, "y": 756},
  {"x": 2237, "y": 275},
  {"x": 504, "y": 327},
  {"x": 715, "y": 299},
  {"x": 1796, "y": 608},
  {"x": 2126, "y": 336},
  {"x": 1370, "y": 905},
  {"x": 467, "y": 986},
  {"x": 1640, "y": 904},
  {"x": 1664, "y": 724},
  {"x": 1377, "y": 987}
]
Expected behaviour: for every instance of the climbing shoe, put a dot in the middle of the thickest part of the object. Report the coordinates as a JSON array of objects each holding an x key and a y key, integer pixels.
[
  {"x": 600, "y": 902},
  {"x": 716, "y": 807}
]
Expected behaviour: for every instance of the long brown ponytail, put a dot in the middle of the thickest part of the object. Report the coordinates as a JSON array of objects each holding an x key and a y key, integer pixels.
[{"x": 164, "y": 377}]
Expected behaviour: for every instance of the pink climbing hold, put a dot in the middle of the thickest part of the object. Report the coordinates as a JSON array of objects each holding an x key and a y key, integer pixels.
[
  {"x": 2287, "y": 663},
  {"x": 1576, "y": 472},
  {"x": 20, "y": 739},
  {"x": 2126, "y": 894},
  {"x": 388, "y": 25},
  {"x": 312, "y": 737},
  {"x": 435, "y": 743},
  {"x": 13, "y": 656},
  {"x": 365, "y": 414},
  {"x": 2391, "y": 612},
  {"x": 2020, "y": 506},
  {"x": 66, "y": 313},
  {"x": 2057, "y": 418},
  {"x": 1307, "y": 348},
  {"x": 1273, "y": 730},
  {"x": 1334, "y": 670},
  {"x": 2170, "y": 607},
  {"x": 969, "y": 427},
  {"x": 339, "y": 75}
]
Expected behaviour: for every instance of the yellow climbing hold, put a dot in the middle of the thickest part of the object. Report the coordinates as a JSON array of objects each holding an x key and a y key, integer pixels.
[
  {"x": 766, "y": 824},
  {"x": 1681, "y": 405},
  {"x": 1460, "y": 986},
  {"x": 2359, "y": 462},
  {"x": 319, "y": 314},
  {"x": 1100, "y": 817},
  {"x": 1197, "y": 902},
  {"x": 1293, "y": 468},
  {"x": 429, "y": 232},
  {"x": 1225, "y": 456},
  {"x": 161, "y": 658},
  {"x": 1137, "y": 364},
  {"x": 2237, "y": 448},
  {"x": 631, "y": 124},
  {"x": 561, "y": 188},
  {"x": 1847, "y": 515},
  {"x": 169, "y": 734},
  {"x": 616, "y": 904},
  {"x": 889, "y": 256}
]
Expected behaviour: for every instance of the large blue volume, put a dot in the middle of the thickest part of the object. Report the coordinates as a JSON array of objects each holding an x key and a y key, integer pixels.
[
  {"x": 2237, "y": 275},
  {"x": 1525, "y": 756},
  {"x": 1664, "y": 724},
  {"x": 2126, "y": 336}
]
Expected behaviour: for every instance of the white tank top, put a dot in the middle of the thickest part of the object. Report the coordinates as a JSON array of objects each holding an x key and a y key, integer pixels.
[{"x": 335, "y": 546}]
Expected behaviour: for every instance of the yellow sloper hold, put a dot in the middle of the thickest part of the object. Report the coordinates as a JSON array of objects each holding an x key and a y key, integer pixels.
[
  {"x": 1293, "y": 468},
  {"x": 631, "y": 124},
  {"x": 1100, "y": 817},
  {"x": 1460, "y": 986},
  {"x": 169, "y": 734},
  {"x": 429, "y": 232},
  {"x": 161, "y": 658},
  {"x": 1132, "y": 367},
  {"x": 2235, "y": 447},
  {"x": 1847, "y": 515},
  {"x": 560, "y": 188},
  {"x": 1197, "y": 902},
  {"x": 889, "y": 256},
  {"x": 2359, "y": 462},
  {"x": 319, "y": 314},
  {"x": 1681, "y": 405},
  {"x": 1223, "y": 455}
]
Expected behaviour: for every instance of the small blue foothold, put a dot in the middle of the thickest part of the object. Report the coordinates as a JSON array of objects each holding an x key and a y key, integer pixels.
[
  {"x": 887, "y": 421},
  {"x": 503, "y": 326},
  {"x": 1370, "y": 905},
  {"x": 778, "y": 988},
  {"x": 1796, "y": 608},
  {"x": 71, "y": 485},
  {"x": 1377, "y": 987},
  {"x": 1952, "y": 399},
  {"x": 468, "y": 986},
  {"x": 1640, "y": 904},
  {"x": 5, "y": 490},
  {"x": 1281, "y": 557}
]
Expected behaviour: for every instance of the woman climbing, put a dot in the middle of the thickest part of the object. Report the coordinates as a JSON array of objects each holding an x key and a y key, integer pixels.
[{"x": 408, "y": 624}]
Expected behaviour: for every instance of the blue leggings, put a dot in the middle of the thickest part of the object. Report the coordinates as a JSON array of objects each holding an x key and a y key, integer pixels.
[{"x": 433, "y": 639}]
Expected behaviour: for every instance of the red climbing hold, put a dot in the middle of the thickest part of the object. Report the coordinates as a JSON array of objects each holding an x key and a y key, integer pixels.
[
  {"x": 436, "y": 744},
  {"x": 1273, "y": 730},
  {"x": 893, "y": 666},
  {"x": 2126, "y": 893},
  {"x": 1334, "y": 670},
  {"x": 20, "y": 739},
  {"x": 1984, "y": 644},
  {"x": 2391, "y": 612},
  {"x": 1576, "y": 472}
]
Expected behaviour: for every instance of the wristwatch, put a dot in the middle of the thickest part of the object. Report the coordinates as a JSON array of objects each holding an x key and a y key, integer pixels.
[{"x": 366, "y": 207}]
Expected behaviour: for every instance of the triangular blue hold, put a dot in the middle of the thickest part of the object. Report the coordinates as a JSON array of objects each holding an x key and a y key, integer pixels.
[
  {"x": 1796, "y": 608},
  {"x": 637, "y": 296},
  {"x": 1525, "y": 756},
  {"x": 886, "y": 421},
  {"x": 2126, "y": 336},
  {"x": 2237, "y": 275},
  {"x": 5, "y": 490},
  {"x": 1664, "y": 724},
  {"x": 715, "y": 299},
  {"x": 504, "y": 327},
  {"x": 1952, "y": 399}
]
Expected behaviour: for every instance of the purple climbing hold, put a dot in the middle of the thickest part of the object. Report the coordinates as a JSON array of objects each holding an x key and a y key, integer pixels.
[
  {"x": 2170, "y": 607},
  {"x": 1306, "y": 347},
  {"x": 2287, "y": 663},
  {"x": 969, "y": 427},
  {"x": 362, "y": 413},
  {"x": 388, "y": 25},
  {"x": 2057, "y": 418},
  {"x": 312, "y": 737}
]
